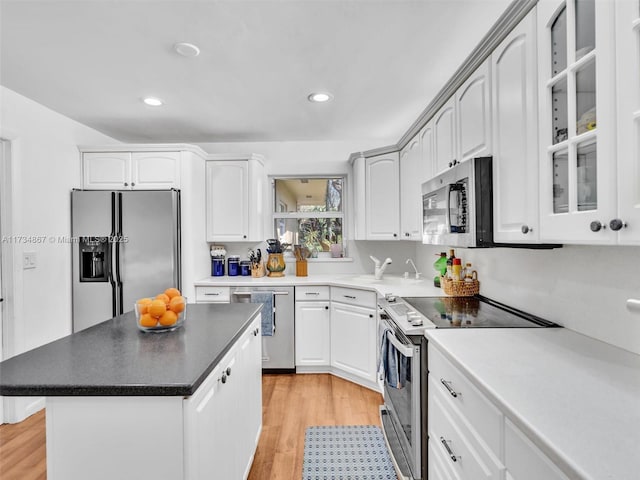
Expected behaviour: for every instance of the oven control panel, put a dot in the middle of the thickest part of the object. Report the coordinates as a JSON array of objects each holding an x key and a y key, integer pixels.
[{"x": 410, "y": 321}]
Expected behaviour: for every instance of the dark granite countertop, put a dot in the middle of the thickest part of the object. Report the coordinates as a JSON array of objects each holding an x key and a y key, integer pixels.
[{"x": 116, "y": 358}]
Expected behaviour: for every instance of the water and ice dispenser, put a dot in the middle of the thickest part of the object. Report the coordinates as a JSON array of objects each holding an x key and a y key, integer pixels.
[{"x": 94, "y": 259}]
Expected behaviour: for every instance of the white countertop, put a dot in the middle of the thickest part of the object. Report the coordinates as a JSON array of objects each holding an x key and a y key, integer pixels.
[
  {"x": 577, "y": 398},
  {"x": 394, "y": 284}
]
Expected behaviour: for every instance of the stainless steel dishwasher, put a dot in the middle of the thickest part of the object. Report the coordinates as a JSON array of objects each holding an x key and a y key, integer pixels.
[{"x": 278, "y": 349}]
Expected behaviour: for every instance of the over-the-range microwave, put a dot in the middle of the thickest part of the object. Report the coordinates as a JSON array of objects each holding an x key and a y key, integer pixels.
[{"x": 457, "y": 205}]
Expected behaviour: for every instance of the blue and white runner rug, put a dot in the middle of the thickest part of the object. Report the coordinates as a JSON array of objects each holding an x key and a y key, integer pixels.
[{"x": 346, "y": 452}]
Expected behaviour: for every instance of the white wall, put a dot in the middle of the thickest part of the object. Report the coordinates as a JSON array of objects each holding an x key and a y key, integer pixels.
[
  {"x": 45, "y": 167},
  {"x": 583, "y": 288}
]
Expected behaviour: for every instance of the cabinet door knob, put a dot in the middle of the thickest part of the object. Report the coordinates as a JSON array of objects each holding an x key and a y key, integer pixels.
[
  {"x": 326, "y": 307},
  {"x": 450, "y": 164},
  {"x": 525, "y": 229},
  {"x": 228, "y": 371},
  {"x": 596, "y": 226},
  {"x": 370, "y": 315},
  {"x": 395, "y": 234},
  {"x": 133, "y": 184},
  {"x": 244, "y": 236},
  {"x": 616, "y": 224},
  {"x": 223, "y": 379},
  {"x": 126, "y": 184}
]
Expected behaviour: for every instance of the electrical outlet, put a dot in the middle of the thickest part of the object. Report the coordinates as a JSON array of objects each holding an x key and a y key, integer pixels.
[{"x": 29, "y": 260}]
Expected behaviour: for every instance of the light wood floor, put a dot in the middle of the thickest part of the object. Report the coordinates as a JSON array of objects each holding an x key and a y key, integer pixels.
[
  {"x": 290, "y": 404},
  {"x": 22, "y": 449}
]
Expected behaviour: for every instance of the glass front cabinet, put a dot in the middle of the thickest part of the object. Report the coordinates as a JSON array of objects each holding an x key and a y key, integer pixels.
[
  {"x": 577, "y": 86},
  {"x": 628, "y": 126}
]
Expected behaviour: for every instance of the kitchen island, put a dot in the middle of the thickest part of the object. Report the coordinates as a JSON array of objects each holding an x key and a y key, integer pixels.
[{"x": 122, "y": 403}]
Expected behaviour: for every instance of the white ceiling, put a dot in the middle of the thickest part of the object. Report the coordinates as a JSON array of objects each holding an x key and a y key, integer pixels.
[{"x": 92, "y": 60}]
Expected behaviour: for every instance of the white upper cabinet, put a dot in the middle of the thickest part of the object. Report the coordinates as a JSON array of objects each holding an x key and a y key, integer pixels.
[
  {"x": 155, "y": 170},
  {"x": 411, "y": 178},
  {"x": 234, "y": 192},
  {"x": 359, "y": 199},
  {"x": 426, "y": 155},
  {"x": 515, "y": 140},
  {"x": 473, "y": 108},
  {"x": 106, "y": 171},
  {"x": 576, "y": 67},
  {"x": 445, "y": 151},
  {"x": 382, "y": 197},
  {"x": 628, "y": 126},
  {"x": 462, "y": 127}
]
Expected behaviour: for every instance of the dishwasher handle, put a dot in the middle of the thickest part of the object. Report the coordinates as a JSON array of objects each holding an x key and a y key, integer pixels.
[{"x": 243, "y": 293}]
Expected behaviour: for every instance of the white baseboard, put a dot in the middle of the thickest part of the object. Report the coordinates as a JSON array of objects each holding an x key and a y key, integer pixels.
[
  {"x": 16, "y": 409},
  {"x": 375, "y": 386}
]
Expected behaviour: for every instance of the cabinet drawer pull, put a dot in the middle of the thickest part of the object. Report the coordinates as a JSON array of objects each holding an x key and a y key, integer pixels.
[
  {"x": 352, "y": 297},
  {"x": 213, "y": 294},
  {"x": 312, "y": 293},
  {"x": 447, "y": 385},
  {"x": 446, "y": 446}
]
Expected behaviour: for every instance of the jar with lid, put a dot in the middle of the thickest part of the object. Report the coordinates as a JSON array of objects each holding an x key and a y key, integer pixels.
[
  {"x": 245, "y": 268},
  {"x": 233, "y": 265},
  {"x": 217, "y": 266}
]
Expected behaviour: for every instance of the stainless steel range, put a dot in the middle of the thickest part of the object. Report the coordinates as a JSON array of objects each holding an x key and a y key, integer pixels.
[{"x": 404, "y": 369}]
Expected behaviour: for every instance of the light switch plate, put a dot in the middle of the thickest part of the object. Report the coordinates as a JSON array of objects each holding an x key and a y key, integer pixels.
[{"x": 29, "y": 260}]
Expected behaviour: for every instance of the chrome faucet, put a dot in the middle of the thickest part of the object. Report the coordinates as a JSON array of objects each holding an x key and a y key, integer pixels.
[
  {"x": 414, "y": 267},
  {"x": 379, "y": 267}
]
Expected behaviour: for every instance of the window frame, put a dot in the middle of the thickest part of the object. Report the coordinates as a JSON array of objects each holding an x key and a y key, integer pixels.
[{"x": 277, "y": 215}]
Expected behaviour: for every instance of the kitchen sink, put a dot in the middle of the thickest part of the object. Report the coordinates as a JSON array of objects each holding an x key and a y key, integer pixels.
[{"x": 387, "y": 280}]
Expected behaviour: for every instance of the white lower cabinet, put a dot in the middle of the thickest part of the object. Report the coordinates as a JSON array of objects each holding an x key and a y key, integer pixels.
[
  {"x": 223, "y": 418},
  {"x": 312, "y": 332},
  {"x": 459, "y": 445},
  {"x": 470, "y": 438},
  {"x": 524, "y": 461},
  {"x": 353, "y": 333}
]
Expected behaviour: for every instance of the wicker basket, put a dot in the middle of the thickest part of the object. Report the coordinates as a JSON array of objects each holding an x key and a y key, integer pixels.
[{"x": 460, "y": 288}]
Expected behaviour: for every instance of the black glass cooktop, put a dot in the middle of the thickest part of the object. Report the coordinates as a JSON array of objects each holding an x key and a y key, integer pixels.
[{"x": 473, "y": 312}]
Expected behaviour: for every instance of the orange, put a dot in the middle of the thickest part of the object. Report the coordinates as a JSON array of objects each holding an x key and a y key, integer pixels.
[
  {"x": 147, "y": 320},
  {"x": 172, "y": 292},
  {"x": 164, "y": 297},
  {"x": 156, "y": 308},
  {"x": 168, "y": 318},
  {"x": 177, "y": 304},
  {"x": 143, "y": 304}
]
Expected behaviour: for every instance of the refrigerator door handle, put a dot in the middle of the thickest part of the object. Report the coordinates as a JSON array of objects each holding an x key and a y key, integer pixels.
[
  {"x": 110, "y": 273},
  {"x": 116, "y": 240}
]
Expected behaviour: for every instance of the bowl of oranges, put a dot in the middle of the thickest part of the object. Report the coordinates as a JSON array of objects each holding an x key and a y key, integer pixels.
[{"x": 163, "y": 313}]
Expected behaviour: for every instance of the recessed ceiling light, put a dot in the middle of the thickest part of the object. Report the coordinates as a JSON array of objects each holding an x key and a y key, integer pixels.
[
  {"x": 319, "y": 97},
  {"x": 186, "y": 49},
  {"x": 152, "y": 101}
]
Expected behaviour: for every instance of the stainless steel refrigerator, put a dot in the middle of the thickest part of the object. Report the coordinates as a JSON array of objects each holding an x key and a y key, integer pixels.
[{"x": 126, "y": 246}]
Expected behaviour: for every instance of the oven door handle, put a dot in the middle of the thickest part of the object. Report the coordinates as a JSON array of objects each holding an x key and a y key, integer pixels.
[{"x": 401, "y": 347}]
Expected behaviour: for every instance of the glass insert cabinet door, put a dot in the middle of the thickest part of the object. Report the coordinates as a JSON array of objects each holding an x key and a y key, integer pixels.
[
  {"x": 577, "y": 138},
  {"x": 628, "y": 126}
]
